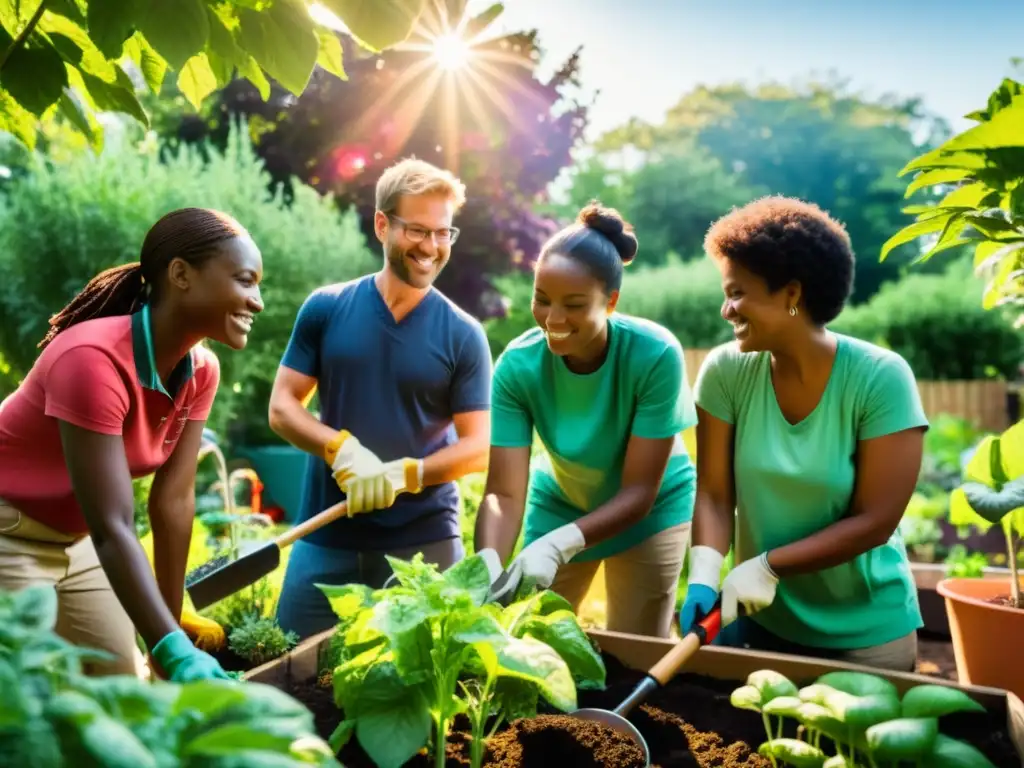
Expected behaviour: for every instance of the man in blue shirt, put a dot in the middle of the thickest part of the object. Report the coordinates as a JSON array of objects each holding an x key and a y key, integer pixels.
[{"x": 404, "y": 378}]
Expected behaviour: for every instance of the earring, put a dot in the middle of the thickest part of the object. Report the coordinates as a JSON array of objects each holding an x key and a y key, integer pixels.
[{"x": 792, "y": 311}]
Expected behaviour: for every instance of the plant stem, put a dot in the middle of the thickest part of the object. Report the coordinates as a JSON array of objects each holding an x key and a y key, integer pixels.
[
  {"x": 23, "y": 35},
  {"x": 1011, "y": 546},
  {"x": 768, "y": 731}
]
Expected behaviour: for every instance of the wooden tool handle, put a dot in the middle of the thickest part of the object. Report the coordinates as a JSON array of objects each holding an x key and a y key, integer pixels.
[
  {"x": 704, "y": 632},
  {"x": 314, "y": 523}
]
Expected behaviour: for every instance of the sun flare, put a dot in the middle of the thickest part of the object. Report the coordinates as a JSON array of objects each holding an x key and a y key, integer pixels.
[{"x": 451, "y": 52}]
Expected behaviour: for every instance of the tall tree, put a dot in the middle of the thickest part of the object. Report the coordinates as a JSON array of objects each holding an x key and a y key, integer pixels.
[{"x": 451, "y": 95}]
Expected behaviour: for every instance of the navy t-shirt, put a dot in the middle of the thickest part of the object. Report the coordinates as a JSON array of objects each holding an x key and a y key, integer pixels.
[{"x": 396, "y": 387}]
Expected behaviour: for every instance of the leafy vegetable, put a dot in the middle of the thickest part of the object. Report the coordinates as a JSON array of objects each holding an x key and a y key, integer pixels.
[
  {"x": 54, "y": 715},
  {"x": 415, "y": 655},
  {"x": 863, "y": 716}
]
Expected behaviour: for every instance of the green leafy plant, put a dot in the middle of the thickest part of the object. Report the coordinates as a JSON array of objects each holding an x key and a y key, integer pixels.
[
  {"x": 962, "y": 563},
  {"x": 75, "y": 57},
  {"x": 864, "y": 718},
  {"x": 258, "y": 639},
  {"x": 983, "y": 168},
  {"x": 993, "y": 493},
  {"x": 417, "y": 654},
  {"x": 53, "y": 715}
]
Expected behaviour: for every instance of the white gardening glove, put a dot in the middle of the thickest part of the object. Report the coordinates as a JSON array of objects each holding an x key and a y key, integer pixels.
[
  {"x": 751, "y": 584},
  {"x": 539, "y": 562},
  {"x": 358, "y": 472},
  {"x": 378, "y": 488}
]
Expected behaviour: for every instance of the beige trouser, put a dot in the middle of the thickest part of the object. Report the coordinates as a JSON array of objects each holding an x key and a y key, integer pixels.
[
  {"x": 640, "y": 583},
  {"x": 88, "y": 612}
]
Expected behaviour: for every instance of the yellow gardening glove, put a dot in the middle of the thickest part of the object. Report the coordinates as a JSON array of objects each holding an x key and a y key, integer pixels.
[
  {"x": 349, "y": 459},
  {"x": 377, "y": 490},
  {"x": 207, "y": 634}
]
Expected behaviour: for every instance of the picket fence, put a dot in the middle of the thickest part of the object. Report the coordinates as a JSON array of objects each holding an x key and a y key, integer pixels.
[{"x": 984, "y": 403}]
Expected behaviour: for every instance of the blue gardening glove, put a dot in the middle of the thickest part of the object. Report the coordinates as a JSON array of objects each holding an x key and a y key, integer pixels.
[
  {"x": 700, "y": 599},
  {"x": 182, "y": 662}
]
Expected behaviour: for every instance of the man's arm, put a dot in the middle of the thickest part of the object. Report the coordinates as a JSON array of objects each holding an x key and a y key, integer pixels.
[
  {"x": 172, "y": 509},
  {"x": 289, "y": 415},
  {"x": 500, "y": 517},
  {"x": 466, "y": 456},
  {"x": 887, "y": 472}
]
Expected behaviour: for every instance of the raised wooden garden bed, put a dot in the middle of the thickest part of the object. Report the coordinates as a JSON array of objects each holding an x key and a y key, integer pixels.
[
  {"x": 690, "y": 722},
  {"x": 933, "y": 605}
]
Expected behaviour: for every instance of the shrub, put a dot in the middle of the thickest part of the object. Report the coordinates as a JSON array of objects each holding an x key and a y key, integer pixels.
[
  {"x": 65, "y": 222},
  {"x": 937, "y": 323}
]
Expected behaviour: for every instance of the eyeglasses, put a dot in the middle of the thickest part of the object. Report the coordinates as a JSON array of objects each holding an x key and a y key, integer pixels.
[{"x": 417, "y": 233}]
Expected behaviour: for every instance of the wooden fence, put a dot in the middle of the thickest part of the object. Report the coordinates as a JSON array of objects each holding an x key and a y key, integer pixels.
[{"x": 984, "y": 403}]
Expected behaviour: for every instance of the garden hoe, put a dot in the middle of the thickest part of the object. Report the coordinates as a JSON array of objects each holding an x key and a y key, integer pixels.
[
  {"x": 660, "y": 674},
  {"x": 223, "y": 576}
]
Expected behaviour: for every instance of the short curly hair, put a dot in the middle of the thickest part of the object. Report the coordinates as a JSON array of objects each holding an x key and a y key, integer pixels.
[{"x": 782, "y": 239}]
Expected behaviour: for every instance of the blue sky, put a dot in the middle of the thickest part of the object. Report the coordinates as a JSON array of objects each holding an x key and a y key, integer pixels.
[{"x": 644, "y": 54}]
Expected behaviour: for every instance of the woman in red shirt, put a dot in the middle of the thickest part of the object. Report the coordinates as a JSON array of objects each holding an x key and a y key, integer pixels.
[{"x": 122, "y": 390}]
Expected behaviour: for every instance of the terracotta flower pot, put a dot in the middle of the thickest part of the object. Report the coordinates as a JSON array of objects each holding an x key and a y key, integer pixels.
[{"x": 986, "y": 636}]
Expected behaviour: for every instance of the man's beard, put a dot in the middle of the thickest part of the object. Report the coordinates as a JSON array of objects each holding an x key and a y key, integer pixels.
[{"x": 400, "y": 267}]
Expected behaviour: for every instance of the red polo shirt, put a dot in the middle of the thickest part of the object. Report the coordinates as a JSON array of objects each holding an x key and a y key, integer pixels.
[{"x": 98, "y": 375}]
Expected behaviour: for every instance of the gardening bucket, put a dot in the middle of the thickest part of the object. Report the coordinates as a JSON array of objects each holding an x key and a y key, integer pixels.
[{"x": 986, "y": 635}]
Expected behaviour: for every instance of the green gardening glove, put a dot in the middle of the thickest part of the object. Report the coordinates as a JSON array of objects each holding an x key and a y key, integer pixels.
[{"x": 182, "y": 662}]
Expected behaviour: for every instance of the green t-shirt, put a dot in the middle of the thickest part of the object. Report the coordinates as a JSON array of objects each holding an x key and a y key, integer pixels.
[
  {"x": 794, "y": 480},
  {"x": 585, "y": 422}
]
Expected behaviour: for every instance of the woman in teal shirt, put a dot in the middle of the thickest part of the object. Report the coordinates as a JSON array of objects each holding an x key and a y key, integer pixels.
[
  {"x": 608, "y": 397},
  {"x": 815, "y": 440}
]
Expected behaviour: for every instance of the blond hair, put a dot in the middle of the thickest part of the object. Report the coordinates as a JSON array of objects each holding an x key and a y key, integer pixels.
[{"x": 416, "y": 177}]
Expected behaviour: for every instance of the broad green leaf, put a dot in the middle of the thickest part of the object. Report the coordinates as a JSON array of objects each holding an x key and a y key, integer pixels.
[
  {"x": 979, "y": 467},
  {"x": 991, "y": 251},
  {"x": 905, "y": 738},
  {"x": 913, "y": 231},
  {"x": 561, "y": 631},
  {"x": 177, "y": 29},
  {"x": 1005, "y": 129},
  {"x": 534, "y": 661},
  {"x": 377, "y": 24},
  {"x": 820, "y": 718},
  {"x": 329, "y": 55},
  {"x": 994, "y": 505},
  {"x": 251, "y": 71},
  {"x": 76, "y": 47},
  {"x": 111, "y": 23},
  {"x": 938, "y": 176},
  {"x": 838, "y": 761},
  {"x": 282, "y": 40},
  {"x": 994, "y": 223},
  {"x": 34, "y": 73},
  {"x": 940, "y": 158},
  {"x": 196, "y": 80},
  {"x": 230, "y": 738},
  {"x": 936, "y": 701},
  {"x": 771, "y": 684},
  {"x": 861, "y": 712},
  {"x": 150, "y": 63},
  {"x": 17, "y": 120},
  {"x": 399, "y": 614},
  {"x": 951, "y": 753},
  {"x": 115, "y": 97},
  {"x": 516, "y": 697},
  {"x": 1011, "y": 450},
  {"x": 470, "y": 574},
  {"x": 746, "y": 697},
  {"x": 784, "y": 706},
  {"x": 347, "y": 599},
  {"x": 85, "y": 730},
  {"x": 341, "y": 734},
  {"x": 478, "y": 628},
  {"x": 392, "y": 719},
  {"x": 858, "y": 683},
  {"x": 815, "y": 693},
  {"x": 962, "y": 515},
  {"x": 797, "y": 753},
  {"x": 972, "y": 195}
]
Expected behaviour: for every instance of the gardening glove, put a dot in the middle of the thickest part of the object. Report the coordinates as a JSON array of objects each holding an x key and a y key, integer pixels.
[
  {"x": 538, "y": 563},
  {"x": 751, "y": 584},
  {"x": 378, "y": 490},
  {"x": 705, "y": 574},
  {"x": 348, "y": 458},
  {"x": 182, "y": 662},
  {"x": 205, "y": 633}
]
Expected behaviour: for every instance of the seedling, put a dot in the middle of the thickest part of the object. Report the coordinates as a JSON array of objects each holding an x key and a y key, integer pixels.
[
  {"x": 417, "y": 654},
  {"x": 863, "y": 716},
  {"x": 994, "y": 493}
]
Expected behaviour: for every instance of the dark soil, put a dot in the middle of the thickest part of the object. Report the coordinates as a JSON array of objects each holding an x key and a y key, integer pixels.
[
  {"x": 935, "y": 659},
  {"x": 688, "y": 723},
  {"x": 231, "y": 661},
  {"x": 1006, "y": 601},
  {"x": 563, "y": 740}
]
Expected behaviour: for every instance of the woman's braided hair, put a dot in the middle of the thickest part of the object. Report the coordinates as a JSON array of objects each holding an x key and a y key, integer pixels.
[{"x": 192, "y": 234}]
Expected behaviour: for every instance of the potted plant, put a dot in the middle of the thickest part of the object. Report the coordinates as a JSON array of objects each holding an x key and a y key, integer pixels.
[{"x": 986, "y": 616}]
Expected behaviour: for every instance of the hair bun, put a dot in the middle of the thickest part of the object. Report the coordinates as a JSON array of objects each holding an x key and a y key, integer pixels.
[{"x": 609, "y": 222}]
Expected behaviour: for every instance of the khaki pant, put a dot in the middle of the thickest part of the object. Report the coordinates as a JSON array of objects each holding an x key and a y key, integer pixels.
[
  {"x": 640, "y": 583},
  {"x": 88, "y": 612}
]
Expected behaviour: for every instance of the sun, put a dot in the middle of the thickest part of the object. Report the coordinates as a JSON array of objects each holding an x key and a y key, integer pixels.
[{"x": 451, "y": 52}]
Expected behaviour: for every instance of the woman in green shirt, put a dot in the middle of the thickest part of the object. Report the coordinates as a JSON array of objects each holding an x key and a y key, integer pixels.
[
  {"x": 608, "y": 397},
  {"x": 815, "y": 440}
]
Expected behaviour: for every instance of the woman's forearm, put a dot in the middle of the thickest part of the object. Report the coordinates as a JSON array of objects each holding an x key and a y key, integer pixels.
[
  {"x": 498, "y": 522},
  {"x": 713, "y": 523},
  {"x": 627, "y": 507},
  {"x": 172, "y": 535},
  {"x": 837, "y": 544},
  {"x": 127, "y": 568}
]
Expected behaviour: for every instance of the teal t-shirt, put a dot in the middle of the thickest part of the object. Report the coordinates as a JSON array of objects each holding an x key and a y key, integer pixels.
[
  {"x": 793, "y": 480},
  {"x": 585, "y": 421}
]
